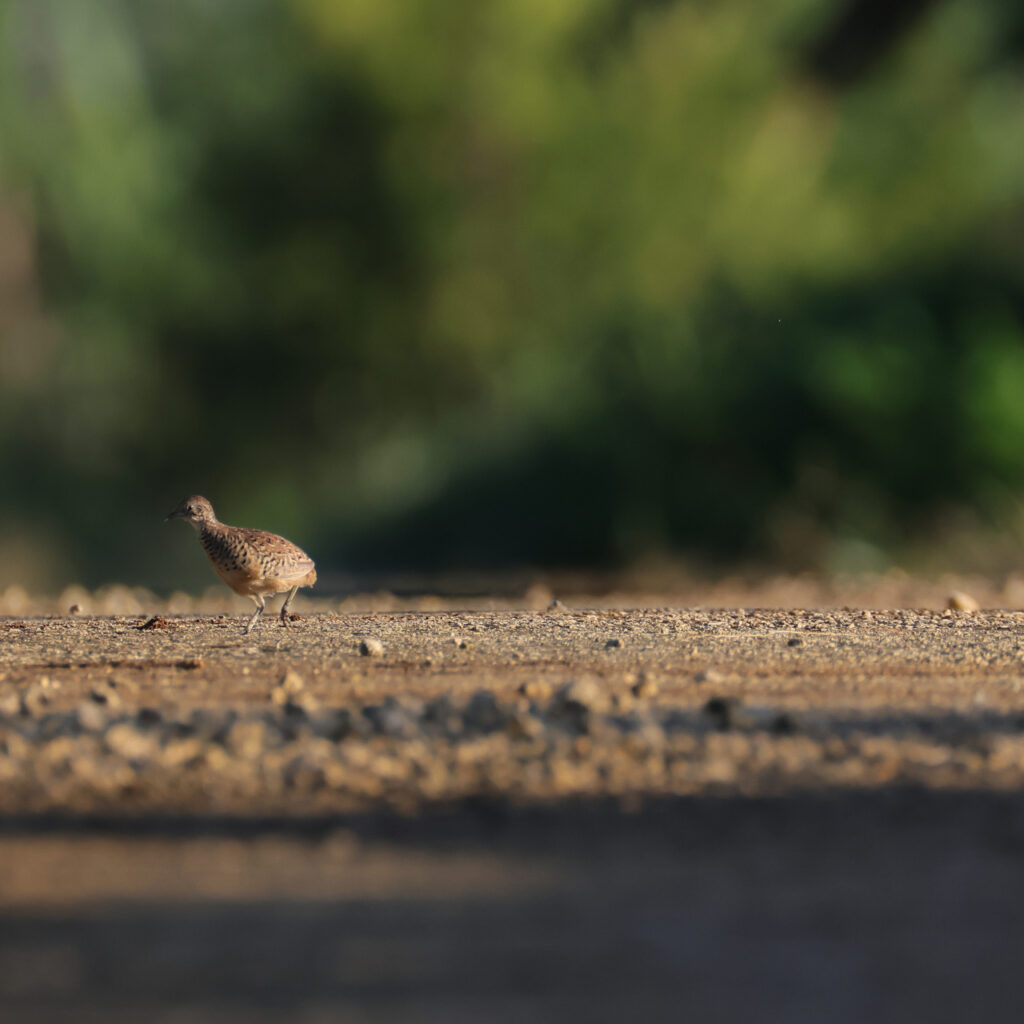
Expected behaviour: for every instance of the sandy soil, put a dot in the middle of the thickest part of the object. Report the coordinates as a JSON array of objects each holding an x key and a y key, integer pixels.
[{"x": 495, "y": 815}]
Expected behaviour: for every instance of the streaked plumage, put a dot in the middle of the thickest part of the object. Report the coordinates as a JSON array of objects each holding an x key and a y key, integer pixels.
[{"x": 253, "y": 563}]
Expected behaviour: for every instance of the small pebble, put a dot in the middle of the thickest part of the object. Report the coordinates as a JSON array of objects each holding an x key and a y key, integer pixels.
[
  {"x": 180, "y": 752},
  {"x": 129, "y": 743},
  {"x": 960, "y": 602},
  {"x": 794, "y": 641},
  {"x": 535, "y": 689},
  {"x": 709, "y": 675},
  {"x": 148, "y": 716},
  {"x": 391, "y": 719},
  {"x": 371, "y": 647},
  {"x": 438, "y": 709},
  {"x": 106, "y": 695},
  {"x": 333, "y": 724},
  {"x": 723, "y": 710},
  {"x": 483, "y": 712},
  {"x": 523, "y": 725},
  {"x": 584, "y": 693},
  {"x": 784, "y": 724},
  {"x": 613, "y": 644},
  {"x": 91, "y": 717},
  {"x": 301, "y": 704},
  {"x": 155, "y": 622},
  {"x": 644, "y": 688},
  {"x": 249, "y": 739},
  {"x": 292, "y": 682},
  {"x": 34, "y": 700}
]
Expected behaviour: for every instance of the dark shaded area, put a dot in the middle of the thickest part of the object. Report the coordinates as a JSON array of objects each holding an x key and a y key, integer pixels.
[
  {"x": 894, "y": 905},
  {"x": 861, "y": 34}
]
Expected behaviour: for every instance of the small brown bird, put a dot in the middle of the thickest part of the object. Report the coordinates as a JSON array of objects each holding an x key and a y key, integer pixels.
[{"x": 253, "y": 563}]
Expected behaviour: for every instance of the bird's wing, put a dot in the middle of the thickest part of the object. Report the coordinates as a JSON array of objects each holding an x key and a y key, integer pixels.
[{"x": 278, "y": 557}]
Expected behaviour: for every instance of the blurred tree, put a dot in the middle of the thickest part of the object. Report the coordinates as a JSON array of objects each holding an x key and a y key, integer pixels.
[{"x": 430, "y": 282}]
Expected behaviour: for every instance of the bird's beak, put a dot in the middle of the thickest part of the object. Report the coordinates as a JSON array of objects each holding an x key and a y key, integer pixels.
[{"x": 176, "y": 514}]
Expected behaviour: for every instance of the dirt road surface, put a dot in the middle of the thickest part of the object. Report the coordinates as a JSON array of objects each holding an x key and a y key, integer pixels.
[{"x": 572, "y": 814}]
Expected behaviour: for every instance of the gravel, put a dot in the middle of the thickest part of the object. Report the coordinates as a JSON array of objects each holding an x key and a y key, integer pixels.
[
  {"x": 408, "y": 752},
  {"x": 98, "y": 715}
]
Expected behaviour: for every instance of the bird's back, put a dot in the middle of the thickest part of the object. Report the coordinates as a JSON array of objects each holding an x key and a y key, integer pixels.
[
  {"x": 256, "y": 560},
  {"x": 277, "y": 558}
]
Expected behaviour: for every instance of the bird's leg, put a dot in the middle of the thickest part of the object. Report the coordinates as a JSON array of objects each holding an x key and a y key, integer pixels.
[
  {"x": 260, "y": 605},
  {"x": 286, "y": 605}
]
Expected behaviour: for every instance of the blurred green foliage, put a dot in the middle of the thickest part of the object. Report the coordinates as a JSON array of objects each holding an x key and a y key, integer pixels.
[{"x": 432, "y": 283}]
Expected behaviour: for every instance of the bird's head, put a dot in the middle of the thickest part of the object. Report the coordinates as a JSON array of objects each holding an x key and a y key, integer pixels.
[{"x": 196, "y": 510}]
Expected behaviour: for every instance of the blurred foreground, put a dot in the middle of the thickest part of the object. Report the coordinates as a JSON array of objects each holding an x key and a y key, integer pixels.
[{"x": 893, "y": 907}]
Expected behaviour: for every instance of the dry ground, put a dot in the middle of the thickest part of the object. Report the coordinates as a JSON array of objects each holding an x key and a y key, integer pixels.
[{"x": 496, "y": 815}]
